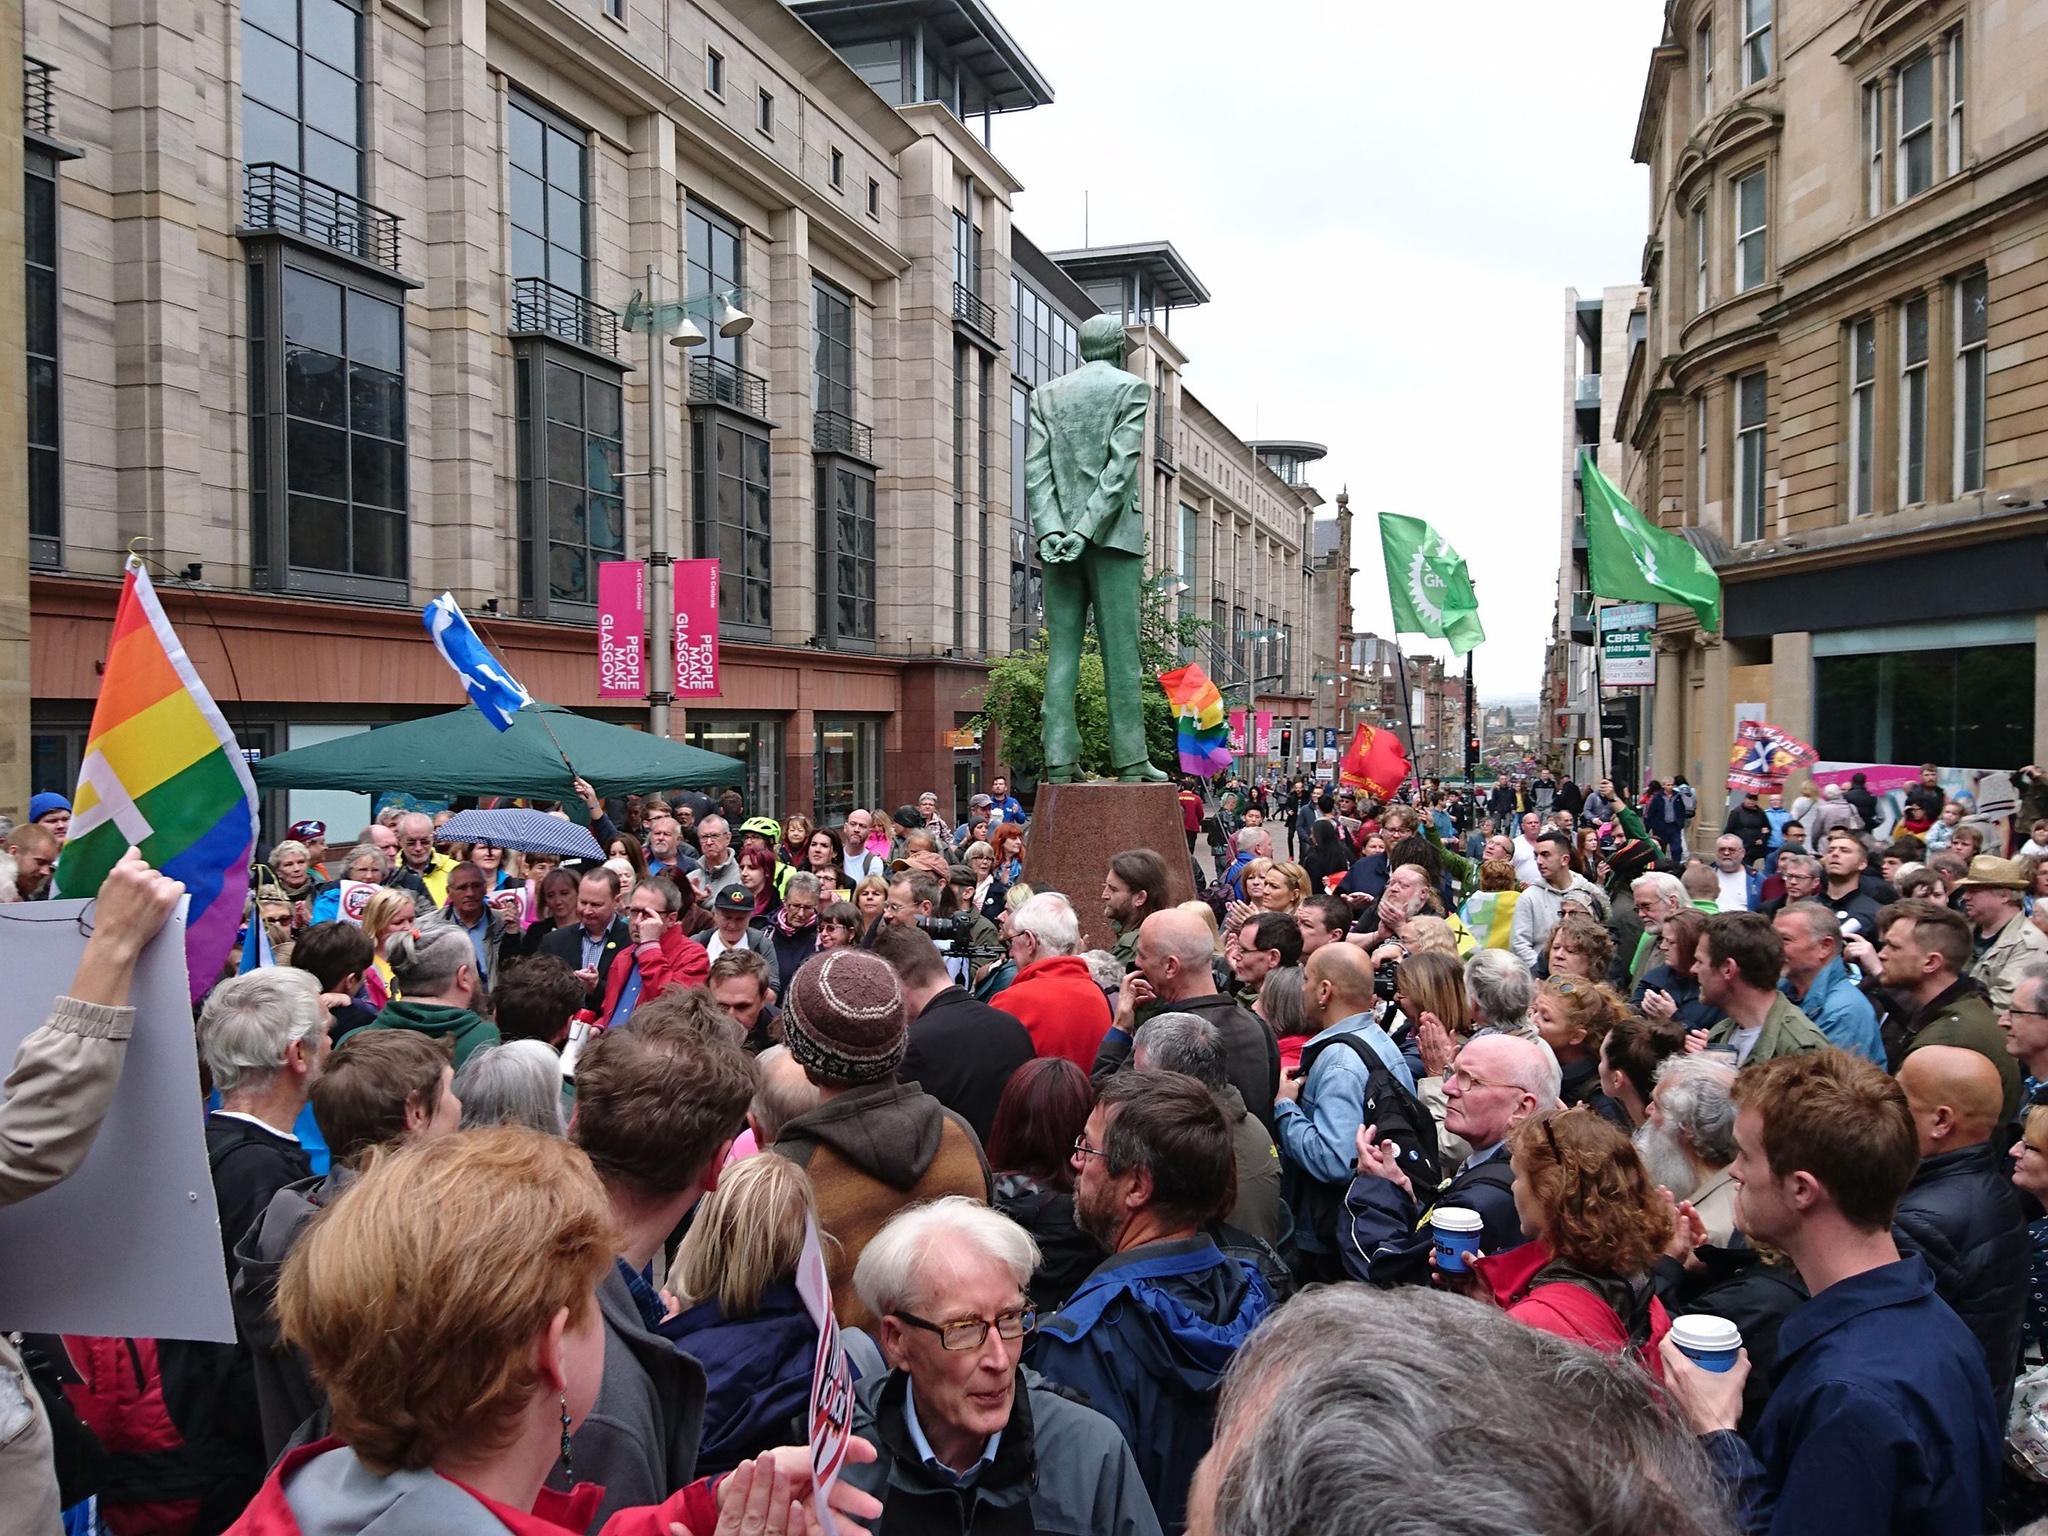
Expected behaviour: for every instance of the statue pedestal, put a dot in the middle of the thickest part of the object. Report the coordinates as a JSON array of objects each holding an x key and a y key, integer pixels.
[{"x": 1076, "y": 829}]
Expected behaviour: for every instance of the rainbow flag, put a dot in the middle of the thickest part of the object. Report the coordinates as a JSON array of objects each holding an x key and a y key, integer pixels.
[
  {"x": 163, "y": 773},
  {"x": 1203, "y": 734}
]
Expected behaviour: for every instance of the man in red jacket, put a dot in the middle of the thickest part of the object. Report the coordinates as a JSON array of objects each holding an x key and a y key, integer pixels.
[
  {"x": 663, "y": 955},
  {"x": 1054, "y": 996}
]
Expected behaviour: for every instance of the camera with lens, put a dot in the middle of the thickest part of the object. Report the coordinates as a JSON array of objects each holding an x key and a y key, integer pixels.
[
  {"x": 1383, "y": 978},
  {"x": 956, "y": 927}
]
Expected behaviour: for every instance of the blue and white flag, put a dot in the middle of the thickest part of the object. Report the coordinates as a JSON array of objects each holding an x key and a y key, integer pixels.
[{"x": 490, "y": 687}]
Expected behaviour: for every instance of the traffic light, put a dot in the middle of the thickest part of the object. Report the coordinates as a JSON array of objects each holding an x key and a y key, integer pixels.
[{"x": 1287, "y": 741}]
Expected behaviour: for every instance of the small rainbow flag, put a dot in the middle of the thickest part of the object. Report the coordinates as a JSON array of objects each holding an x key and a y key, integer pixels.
[
  {"x": 1203, "y": 733},
  {"x": 163, "y": 772}
]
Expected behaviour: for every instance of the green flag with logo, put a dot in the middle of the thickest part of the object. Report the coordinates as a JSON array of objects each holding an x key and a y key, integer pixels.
[
  {"x": 1631, "y": 558},
  {"x": 1428, "y": 584}
]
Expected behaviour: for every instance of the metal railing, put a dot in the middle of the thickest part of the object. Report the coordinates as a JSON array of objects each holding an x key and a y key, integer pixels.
[
  {"x": 276, "y": 197},
  {"x": 832, "y": 432},
  {"x": 714, "y": 381},
  {"x": 975, "y": 310},
  {"x": 1162, "y": 447},
  {"x": 1586, "y": 393},
  {"x": 38, "y": 97},
  {"x": 542, "y": 308}
]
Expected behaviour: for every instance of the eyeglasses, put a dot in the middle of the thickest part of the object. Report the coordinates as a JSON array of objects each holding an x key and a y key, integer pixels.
[
  {"x": 1467, "y": 1082},
  {"x": 2026, "y": 1013},
  {"x": 972, "y": 1332},
  {"x": 1082, "y": 1149}
]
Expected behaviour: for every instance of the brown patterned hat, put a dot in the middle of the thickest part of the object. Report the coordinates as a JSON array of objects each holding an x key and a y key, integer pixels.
[{"x": 843, "y": 1019}]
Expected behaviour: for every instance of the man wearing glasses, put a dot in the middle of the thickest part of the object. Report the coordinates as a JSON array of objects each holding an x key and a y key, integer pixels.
[
  {"x": 417, "y": 858},
  {"x": 1150, "y": 1333},
  {"x": 964, "y": 1441},
  {"x": 1497, "y": 1082},
  {"x": 2025, "y": 1025}
]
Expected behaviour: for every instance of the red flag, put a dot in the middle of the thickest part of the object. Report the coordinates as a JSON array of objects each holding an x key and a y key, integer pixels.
[{"x": 1374, "y": 762}]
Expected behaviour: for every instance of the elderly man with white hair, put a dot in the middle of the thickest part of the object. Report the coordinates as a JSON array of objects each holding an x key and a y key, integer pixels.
[
  {"x": 1055, "y": 996},
  {"x": 964, "y": 1440},
  {"x": 1687, "y": 1141},
  {"x": 1656, "y": 895}
]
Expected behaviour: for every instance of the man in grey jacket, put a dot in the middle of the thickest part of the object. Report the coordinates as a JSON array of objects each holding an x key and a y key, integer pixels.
[
  {"x": 1542, "y": 903},
  {"x": 63, "y": 1080},
  {"x": 967, "y": 1440}
]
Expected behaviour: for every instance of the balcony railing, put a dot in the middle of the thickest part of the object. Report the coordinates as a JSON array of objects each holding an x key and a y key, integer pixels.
[
  {"x": 975, "y": 310},
  {"x": 1586, "y": 395},
  {"x": 38, "y": 97},
  {"x": 714, "y": 381},
  {"x": 1162, "y": 448},
  {"x": 276, "y": 197},
  {"x": 833, "y": 433},
  {"x": 542, "y": 308}
]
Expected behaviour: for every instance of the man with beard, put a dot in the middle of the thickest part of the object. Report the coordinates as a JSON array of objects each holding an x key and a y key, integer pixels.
[
  {"x": 1688, "y": 1139},
  {"x": 1150, "y": 1333}
]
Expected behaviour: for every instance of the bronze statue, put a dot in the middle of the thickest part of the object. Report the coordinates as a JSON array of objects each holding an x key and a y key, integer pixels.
[{"x": 1081, "y": 466}]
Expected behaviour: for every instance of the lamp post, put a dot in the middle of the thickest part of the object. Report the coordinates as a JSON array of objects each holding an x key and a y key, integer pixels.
[{"x": 659, "y": 318}]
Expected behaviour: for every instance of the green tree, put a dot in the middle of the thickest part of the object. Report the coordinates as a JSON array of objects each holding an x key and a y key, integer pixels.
[{"x": 1013, "y": 701}]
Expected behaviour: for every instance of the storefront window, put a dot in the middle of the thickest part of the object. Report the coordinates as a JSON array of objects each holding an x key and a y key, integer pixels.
[
  {"x": 847, "y": 767},
  {"x": 1970, "y": 707},
  {"x": 755, "y": 740}
]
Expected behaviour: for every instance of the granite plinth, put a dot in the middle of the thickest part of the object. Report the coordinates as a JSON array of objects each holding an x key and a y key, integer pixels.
[{"x": 1076, "y": 829}]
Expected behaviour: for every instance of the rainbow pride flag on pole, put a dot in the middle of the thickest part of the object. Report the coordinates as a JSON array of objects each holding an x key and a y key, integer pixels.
[
  {"x": 1203, "y": 735},
  {"x": 163, "y": 772}
]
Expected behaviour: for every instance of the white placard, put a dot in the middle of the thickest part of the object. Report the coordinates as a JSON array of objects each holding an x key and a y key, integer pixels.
[{"x": 831, "y": 1416}]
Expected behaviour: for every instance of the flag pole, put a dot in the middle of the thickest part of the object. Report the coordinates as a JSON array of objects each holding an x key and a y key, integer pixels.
[{"x": 1407, "y": 708}]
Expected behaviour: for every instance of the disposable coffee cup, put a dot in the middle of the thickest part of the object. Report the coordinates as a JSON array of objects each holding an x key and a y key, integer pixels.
[
  {"x": 1710, "y": 1343},
  {"x": 1456, "y": 1231}
]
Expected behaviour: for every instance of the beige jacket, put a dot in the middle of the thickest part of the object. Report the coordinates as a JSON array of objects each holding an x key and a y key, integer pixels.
[
  {"x": 55, "y": 1098},
  {"x": 2018, "y": 945},
  {"x": 1714, "y": 1203}
]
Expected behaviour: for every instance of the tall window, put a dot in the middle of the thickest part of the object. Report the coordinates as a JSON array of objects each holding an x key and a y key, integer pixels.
[
  {"x": 1699, "y": 459},
  {"x": 302, "y": 89},
  {"x": 1190, "y": 540},
  {"x": 846, "y": 766},
  {"x": 960, "y": 497},
  {"x": 1703, "y": 68},
  {"x": 731, "y": 495},
  {"x": 577, "y": 506},
  {"x": 984, "y": 404},
  {"x": 1027, "y": 576},
  {"x": 1873, "y": 146},
  {"x": 332, "y": 417},
  {"x": 1862, "y": 415},
  {"x": 1913, "y": 401},
  {"x": 832, "y": 353},
  {"x": 1756, "y": 41},
  {"x": 45, "y": 452},
  {"x": 1699, "y": 257},
  {"x": 1972, "y": 326},
  {"x": 1750, "y": 399},
  {"x": 714, "y": 261},
  {"x": 1916, "y": 126},
  {"x": 1751, "y": 221},
  {"x": 1953, "y": 52},
  {"x": 846, "y": 552},
  {"x": 550, "y": 196}
]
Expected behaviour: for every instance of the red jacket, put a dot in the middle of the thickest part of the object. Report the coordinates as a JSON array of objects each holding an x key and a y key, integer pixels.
[
  {"x": 674, "y": 960},
  {"x": 1060, "y": 1006},
  {"x": 1567, "y": 1310},
  {"x": 1190, "y": 811},
  {"x": 694, "y": 1508}
]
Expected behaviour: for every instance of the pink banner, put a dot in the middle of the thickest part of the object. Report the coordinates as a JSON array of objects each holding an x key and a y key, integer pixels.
[
  {"x": 1263, "y": 730},
  {"x": 1237, "y": 741},
  {"x": 621, "y": 629},
  {"x": 696, "y": 629}
]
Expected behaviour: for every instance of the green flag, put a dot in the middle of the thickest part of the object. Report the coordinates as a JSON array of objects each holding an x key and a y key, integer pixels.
[
  {"x": 1629, "y": 557},
  {"x": 1428, "y": 584}
]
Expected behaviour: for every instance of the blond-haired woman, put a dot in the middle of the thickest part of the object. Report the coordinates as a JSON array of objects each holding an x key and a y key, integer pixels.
[
  {"x": 740, "y": 1316},
  {"x": 390, "y": 911},
  {"x": 448, "y": 1310}
]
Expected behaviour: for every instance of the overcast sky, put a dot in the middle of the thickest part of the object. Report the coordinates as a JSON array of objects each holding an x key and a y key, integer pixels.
[{"x": 1386, "y": 204}]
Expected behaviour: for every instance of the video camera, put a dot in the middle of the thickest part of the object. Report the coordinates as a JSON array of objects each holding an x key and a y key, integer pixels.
[{"x": 954, "y": 934}]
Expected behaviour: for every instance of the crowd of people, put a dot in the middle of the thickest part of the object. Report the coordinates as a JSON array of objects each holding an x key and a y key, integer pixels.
[{"x": 1497, "y": 1164}]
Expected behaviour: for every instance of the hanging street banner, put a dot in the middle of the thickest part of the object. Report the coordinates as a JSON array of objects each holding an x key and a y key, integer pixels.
[
  {"x": 622, "y": 629},
  {"x": 1628, "y": 645},
  {"x": 1238, "y": 744},
  {"x": 696, "y": 629},
  {"x": 1262, "y": 732}
]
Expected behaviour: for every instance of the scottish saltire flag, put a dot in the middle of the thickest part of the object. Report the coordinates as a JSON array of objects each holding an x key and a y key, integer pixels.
[
  {"x": 1203, "y": 735},
  {"x": 256, "y": 951},
  {"x": 163, "y": 773},
  {"x": 490, "y": 687}
]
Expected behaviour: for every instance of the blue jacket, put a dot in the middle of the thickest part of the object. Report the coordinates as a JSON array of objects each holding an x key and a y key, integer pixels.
[
  {"x": 757, "y": 1372},
  {"x": 1148, "y": 1337},
  {"x": 1384, "y": 1236},
  {"x": 1840, "y": 1011},
  {"x": 1881, "y": 1420},
  {"x": 1318, "y": 1133}
]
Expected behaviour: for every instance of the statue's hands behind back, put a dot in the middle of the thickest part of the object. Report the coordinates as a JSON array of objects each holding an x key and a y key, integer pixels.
[{"x": 1060, "y": 548}]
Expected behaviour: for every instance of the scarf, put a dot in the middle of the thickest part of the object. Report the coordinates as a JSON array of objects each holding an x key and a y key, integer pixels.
[{"x": 790, "y": 930}]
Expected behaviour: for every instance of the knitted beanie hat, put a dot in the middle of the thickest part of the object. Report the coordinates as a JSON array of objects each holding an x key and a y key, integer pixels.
[{"x": 843, "y": 1019}]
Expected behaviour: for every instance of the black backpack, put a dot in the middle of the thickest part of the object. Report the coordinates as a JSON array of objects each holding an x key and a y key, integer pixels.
[{"x": 1402, "y": 1118}]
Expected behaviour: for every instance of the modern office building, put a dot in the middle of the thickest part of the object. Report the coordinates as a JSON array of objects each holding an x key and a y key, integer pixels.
[
  {"x": 1839, "y": 393},
  {"x": 332, "y": 316}
]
